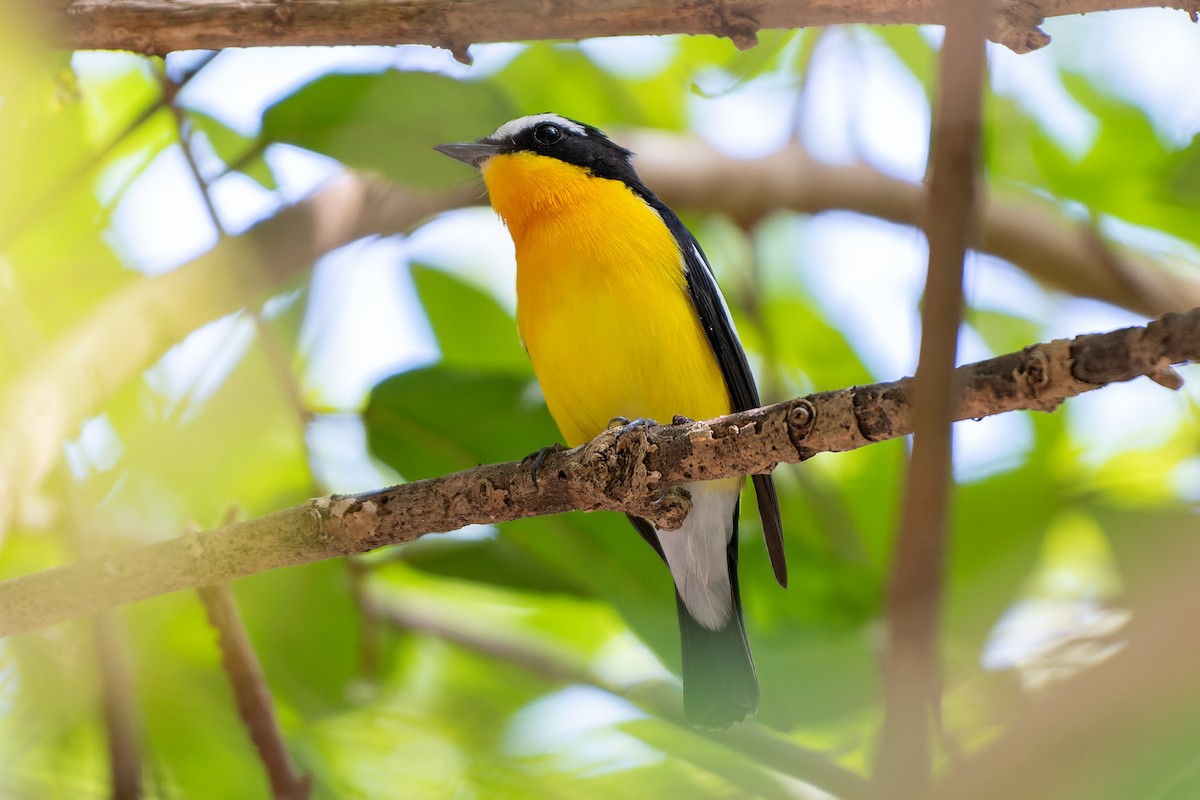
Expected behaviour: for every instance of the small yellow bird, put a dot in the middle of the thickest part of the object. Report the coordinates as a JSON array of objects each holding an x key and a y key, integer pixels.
[{"x": 622, "y": 318}]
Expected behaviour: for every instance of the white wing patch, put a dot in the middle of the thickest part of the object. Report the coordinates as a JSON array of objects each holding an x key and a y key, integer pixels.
[
  {"x": 716, "y": 289},
  {"x": 509, "y": 130},
  {"x": 696, "y": 554}
]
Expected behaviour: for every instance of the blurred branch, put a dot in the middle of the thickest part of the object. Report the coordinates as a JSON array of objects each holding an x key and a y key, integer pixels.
[
  {"x": 370, "y": 638},
  {"x": 1029, "y": 231},
  {"x": 39, "y": 205},
  {"x": 912, "y": 672},
  {"x": 120, "y": 708},
  {"x": 630, "y": 473},
  {"x": 155, "y": 27},
  {"x": 252, "y": 695},
  {"x": 658, "y": 698},
  {"x": 71, "y": 378},
  {"x": 1077, "y": 739}
]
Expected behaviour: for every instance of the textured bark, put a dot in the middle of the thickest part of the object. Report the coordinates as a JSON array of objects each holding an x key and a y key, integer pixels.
[
  {"x": 633, "y": 474},
  {"x": 73, "y": 377},
  {"x": 156, "y": 27}
]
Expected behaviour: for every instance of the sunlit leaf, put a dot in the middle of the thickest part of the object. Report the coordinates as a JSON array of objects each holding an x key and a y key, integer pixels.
[
  {"x": 235, "y": 149},
  {"x": 388, "y": 122},
  {"x": 436, "y": 420},
  {"x": 473, "y": 331},
  {"x": 546, "y": 77}
]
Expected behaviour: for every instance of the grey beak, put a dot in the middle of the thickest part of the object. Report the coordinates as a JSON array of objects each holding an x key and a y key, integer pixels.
[{"x": 473, "y": 154}]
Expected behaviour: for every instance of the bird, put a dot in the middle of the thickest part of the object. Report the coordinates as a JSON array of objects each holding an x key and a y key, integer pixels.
[{"x": 623, "y": 322}]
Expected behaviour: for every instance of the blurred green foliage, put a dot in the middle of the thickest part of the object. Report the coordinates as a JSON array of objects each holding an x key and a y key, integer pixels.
[{"x": 520, "y": 670}]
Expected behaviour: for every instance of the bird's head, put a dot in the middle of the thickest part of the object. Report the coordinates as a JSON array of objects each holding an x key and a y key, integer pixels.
[
  {"x": 549, "y": 136},
  {"x": 534, "y": 163}
]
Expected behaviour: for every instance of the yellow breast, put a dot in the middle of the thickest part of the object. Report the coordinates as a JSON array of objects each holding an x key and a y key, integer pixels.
[{"x": 602, "y": 299}]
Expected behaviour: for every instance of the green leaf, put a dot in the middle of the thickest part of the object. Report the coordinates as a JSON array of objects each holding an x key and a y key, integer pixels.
[
  {"x": 743, "y": 775},
  {"x": 997, "y": 541},
  {"x": 436, "y": 420},
  {"x": 1001, "y": 331},
  {"x": 244, "y": 442},
  {"x": 472, "y": 330},
  {"x": 746, "y": 65},
  {"x": 1124, "y": 172},
  {"x": 389, "y": 122},
  {"x": 238, "y": 151},
  {"x": 548, "y": 77},
  {"x": 297, "y": 620},
  {"x": 1182, "y": 175},
  {"x": 821, "y": 351}
]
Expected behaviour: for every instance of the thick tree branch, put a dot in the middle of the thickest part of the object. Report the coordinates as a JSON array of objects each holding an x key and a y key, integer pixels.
[
  {"x": 73, "y": 377},
  {"x": 912, "y": 672},
  {"x": 625, "y": 474},
  {"x": 156, "y": 27}
]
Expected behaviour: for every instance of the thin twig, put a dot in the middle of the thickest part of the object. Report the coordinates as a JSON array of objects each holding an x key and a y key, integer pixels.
[
  {"x": 120, "y": 708},
  {"x": 912, "y": 675},
  {"x": 39, "y": 205},
  {"x": 628, "y": 475},
  {"x": 370, "y": 642},
  {"x": 185, "y": 146},
  {"x": 252, "y": 694}
]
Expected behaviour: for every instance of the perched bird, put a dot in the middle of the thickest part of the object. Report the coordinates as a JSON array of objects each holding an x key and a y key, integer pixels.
[{"x": 622, "y": 318}]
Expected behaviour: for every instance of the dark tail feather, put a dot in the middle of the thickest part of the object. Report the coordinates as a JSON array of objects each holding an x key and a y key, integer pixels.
[
  {"x": 720, "y": 686},
  {"x": 719, "y": 683}
]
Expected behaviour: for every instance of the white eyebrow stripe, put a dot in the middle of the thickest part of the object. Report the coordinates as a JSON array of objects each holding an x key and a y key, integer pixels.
[{"x": 510, "y": 129}]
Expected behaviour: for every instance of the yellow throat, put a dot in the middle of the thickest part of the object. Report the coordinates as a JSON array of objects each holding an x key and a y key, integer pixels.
[{"x": 602, "y": 301}]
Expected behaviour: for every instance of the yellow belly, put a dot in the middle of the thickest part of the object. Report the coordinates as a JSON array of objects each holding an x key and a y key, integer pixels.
[{"x": 602, "y": 300}]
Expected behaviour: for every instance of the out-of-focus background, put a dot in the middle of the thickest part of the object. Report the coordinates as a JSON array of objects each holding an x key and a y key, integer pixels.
[{"x": 236, "y": 377}]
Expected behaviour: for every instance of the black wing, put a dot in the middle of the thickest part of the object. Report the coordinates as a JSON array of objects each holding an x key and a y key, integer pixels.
[{"x": 718, "y": 327}]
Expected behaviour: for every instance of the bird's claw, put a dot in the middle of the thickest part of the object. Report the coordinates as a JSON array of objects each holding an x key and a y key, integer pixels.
[
  {"x": 538, "y": 457},
  {"x": 626, "y": 425}
]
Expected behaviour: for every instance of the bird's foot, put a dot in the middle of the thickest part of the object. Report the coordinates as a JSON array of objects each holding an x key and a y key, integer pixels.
[
  {"x": 626, "y": 425},
  {"x": 538, "y": 457}
]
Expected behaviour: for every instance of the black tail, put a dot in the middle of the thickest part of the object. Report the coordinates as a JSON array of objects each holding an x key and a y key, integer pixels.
[
  {"x": 719, "y": 683},
  {"x": 720, "y": 686}
]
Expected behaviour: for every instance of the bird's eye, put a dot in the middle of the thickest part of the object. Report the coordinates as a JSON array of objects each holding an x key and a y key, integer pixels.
[{"x": 547, "y": 133}]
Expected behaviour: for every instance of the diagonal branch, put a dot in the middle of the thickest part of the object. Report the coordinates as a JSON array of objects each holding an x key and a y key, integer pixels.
[
  {"x": 155, "y": 27},
  {"x": 627, "y": 474},
  {"x": 72, "y": 378},
  {"x": 252, "y": 694}
]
